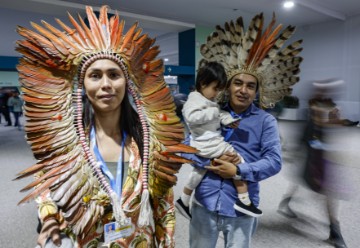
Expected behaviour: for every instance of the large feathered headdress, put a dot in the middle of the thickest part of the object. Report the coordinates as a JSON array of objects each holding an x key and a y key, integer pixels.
[
  {"x": 52, "y": 60},
  {"x": 257, "y": 53}
]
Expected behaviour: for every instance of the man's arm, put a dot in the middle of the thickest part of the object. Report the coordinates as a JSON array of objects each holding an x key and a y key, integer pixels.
[{"x": 268, "y": 165}]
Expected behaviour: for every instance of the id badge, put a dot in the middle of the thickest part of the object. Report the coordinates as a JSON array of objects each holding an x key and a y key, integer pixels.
[{"x": 113, "y": 231}]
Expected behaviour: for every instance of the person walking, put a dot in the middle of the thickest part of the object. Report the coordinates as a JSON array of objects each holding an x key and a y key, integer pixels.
[{"x": 323, "y": 172}]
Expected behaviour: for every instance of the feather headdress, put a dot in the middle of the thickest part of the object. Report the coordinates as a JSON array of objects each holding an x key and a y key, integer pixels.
[
  {"x": 257, "y": 53},
  {"x": 52, "y": 60}
]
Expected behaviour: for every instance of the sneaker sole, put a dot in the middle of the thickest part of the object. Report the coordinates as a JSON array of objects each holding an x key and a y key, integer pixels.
[
  {"x": 244, "y": 211},
  {"x": 337, "y": 245},
  {"x": 182, "y": 211}
]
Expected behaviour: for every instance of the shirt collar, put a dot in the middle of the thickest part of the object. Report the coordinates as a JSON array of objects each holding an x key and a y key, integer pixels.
[{"x": 251, "y": 110}]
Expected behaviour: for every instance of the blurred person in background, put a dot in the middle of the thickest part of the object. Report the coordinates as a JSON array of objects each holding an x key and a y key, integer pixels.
[
  {"x": 16, "y": 103},
  {"x": 323, "y": 172},
  {"x": 4, "y": 107}
]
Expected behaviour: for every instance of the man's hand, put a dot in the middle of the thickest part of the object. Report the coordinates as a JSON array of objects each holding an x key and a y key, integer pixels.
[
  {"x": 50, "y": 228},
  {"x": 222, "y": 168}
]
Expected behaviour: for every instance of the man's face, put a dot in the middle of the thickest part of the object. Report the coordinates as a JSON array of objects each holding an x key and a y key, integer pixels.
[{"x": 242, "y": 91}]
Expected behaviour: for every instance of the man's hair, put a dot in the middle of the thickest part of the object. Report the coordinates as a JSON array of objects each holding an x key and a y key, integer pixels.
[{"x": 210, "y": 72}]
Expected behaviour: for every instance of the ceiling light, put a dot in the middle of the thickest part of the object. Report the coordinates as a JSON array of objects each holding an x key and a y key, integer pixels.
[
  {"x": 166, "y": 59},
  {"x": 288, "y": 4}
]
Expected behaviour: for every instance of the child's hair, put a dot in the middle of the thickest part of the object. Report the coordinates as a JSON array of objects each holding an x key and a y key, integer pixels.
[{"x": 210, "y": 72}]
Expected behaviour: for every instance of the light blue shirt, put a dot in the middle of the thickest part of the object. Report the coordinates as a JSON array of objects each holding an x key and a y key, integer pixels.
[{"x": 257, "y": 140}]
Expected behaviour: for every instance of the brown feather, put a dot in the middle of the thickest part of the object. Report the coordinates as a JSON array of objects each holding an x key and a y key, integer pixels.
[
  {"x": 54, "y": 39},
  {"x": 78, "y": 36},
  {"x": 96, "y": 32},
  {"x": 38, "y": 191},
  {"x": 87, "y": 32},
  {"x": 181, "y": 148}
]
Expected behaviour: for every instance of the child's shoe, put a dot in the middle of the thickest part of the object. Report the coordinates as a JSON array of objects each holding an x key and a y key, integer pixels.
[
  {"x": 245, "y": 209},
  {"x": 183, "y": 210}
]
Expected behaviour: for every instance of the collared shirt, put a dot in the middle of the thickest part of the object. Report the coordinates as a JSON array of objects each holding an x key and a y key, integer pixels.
[{"x": 257, "y": 140}]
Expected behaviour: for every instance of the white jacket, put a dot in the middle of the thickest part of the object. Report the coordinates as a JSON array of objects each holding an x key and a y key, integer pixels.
[{"x": 204, "y": 119}]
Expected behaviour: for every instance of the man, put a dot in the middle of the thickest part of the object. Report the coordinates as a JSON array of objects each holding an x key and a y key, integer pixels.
[{"x": 256, "y": 138}]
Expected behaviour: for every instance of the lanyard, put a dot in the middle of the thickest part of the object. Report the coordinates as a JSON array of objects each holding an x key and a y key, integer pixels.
[{"x": 116, "y": 185}]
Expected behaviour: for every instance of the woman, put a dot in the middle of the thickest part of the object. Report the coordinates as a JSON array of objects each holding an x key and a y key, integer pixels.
[{"x": 111, "y": 161}]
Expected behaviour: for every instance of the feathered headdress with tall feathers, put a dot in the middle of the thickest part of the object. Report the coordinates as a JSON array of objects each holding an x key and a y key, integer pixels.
[
  {"x": 52, "y": 60},
  {"x": 257, "y": 53}
]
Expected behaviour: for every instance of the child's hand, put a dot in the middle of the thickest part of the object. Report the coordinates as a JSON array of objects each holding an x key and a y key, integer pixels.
[{"x": 234, "y": 124}]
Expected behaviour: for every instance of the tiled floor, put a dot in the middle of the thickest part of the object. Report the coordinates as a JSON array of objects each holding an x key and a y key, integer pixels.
[{"x": 19, "y": 222}]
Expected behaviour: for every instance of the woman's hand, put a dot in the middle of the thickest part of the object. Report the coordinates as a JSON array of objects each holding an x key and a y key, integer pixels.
[
  {"x": 50, "y": 228},
  {"x": 222, "y": 168}
]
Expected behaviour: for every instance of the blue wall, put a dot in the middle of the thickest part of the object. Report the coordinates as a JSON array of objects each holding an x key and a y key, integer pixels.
[
  {"x": 8, "y": 63},
  {"x": 187, "y": 59}
]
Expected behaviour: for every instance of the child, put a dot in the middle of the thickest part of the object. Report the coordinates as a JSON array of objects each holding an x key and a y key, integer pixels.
[{"x": 204, "y": 118}]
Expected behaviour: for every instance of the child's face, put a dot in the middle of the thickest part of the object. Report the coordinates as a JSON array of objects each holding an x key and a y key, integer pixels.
[{"x": 210, "y": 91}]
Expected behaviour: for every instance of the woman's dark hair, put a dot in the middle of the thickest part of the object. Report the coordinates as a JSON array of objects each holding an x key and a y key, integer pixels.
[
  {"x": 210, "y": 72},
  {"x": 129, "y": 120}
]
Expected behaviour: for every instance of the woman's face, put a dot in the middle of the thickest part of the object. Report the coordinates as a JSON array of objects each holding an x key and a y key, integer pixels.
[{"x": 105, "y": 85}]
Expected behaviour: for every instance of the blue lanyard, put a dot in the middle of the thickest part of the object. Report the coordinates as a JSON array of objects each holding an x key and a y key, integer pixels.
[{"x": 116, "y": 185}]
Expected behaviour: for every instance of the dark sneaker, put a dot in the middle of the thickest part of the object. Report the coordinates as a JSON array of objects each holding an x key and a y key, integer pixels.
[
  {"x": 183, "y": 210},
  {"x": 249, "y": 210},
  {"x": 335, "y": 238},
  {"x": 347, "y": 122}
]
